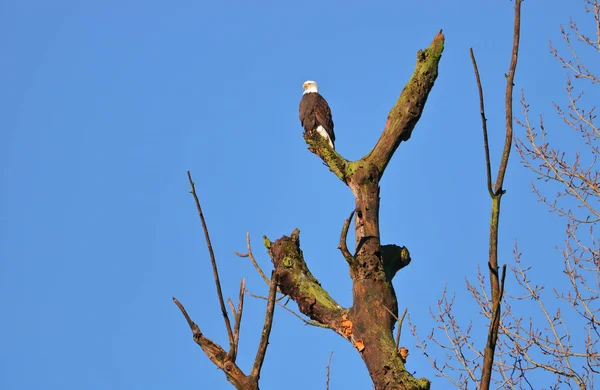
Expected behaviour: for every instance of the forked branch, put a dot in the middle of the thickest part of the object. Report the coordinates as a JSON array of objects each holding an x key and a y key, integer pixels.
[
  {"x": 497, "y": 285},
  {"x": 400, "y": 122},
  {"x": 462, "y": 349},
  {"x": 372, "y": 267},
  {"x": 218, "y": 355},
  {"x": 226, "y": 361}
]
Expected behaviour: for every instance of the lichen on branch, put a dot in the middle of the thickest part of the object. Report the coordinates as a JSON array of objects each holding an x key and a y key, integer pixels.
[
  {"x": 296, "y": 280},
  {"x": 408, "y": 108},
  {"x": 336, "y": 163}
]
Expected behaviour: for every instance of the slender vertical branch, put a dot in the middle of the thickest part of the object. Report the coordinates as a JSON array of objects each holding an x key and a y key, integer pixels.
[
  {"x": 490, "y": 347},
  {"x": 238, "y": 320},
  {"x": 264, "y": 340},
  {"x": 213, "y": 262},
  {"x": 486, "y": 145},
  {"x": 400, "y": 321},
  {"x": 497, "y": 287},
  {"x": 251, "y": 256},
  {"x": 232, "y": 308},
  {"x": 328, "y": 371},
  {"x": 510, "y": 78}
]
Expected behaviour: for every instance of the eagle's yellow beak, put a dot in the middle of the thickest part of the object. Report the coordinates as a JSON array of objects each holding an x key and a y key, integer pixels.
[{"x": 304, "y": 85}]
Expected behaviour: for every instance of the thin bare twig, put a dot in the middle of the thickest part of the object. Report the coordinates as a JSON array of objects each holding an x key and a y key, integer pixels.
[
  {"x": 400, "y": 321},
  {"x": 486, "y": 145},
  {"x": 251, "y": 256},
  {"x": 328, "y": 371},
  {"x": 264, "y": 340},
  {"x": 213, "y": 262},
  {"x": 283, "y": 306},
  {"x": 232, "y": 308},
  {"x": 510, "y": 79},
  {"x": 238, "y": 318}
]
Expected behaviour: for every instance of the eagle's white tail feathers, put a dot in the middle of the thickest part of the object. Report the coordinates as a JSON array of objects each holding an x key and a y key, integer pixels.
[{"x": 324, "y": 134}]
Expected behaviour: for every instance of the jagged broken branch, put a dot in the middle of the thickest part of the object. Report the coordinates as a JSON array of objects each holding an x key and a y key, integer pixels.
[{"x": 296, "y": 280}]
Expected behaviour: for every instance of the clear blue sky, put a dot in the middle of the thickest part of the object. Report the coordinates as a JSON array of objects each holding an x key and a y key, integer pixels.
[{"x": 105, "y": 105}]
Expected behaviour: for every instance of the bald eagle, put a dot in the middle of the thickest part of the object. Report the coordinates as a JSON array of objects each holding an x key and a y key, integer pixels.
[{"x": 315, "y": 113}]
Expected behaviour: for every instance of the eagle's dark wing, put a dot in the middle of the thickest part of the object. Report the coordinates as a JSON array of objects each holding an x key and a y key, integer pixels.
[{"x": 323, "y": 116}]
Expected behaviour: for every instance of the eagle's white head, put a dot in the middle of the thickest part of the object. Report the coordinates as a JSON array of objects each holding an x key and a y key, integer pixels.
[{"x": 310, "y": 86}]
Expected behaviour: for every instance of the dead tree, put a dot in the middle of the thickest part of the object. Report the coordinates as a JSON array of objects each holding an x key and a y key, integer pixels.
[{"x": 369, "y": 322}]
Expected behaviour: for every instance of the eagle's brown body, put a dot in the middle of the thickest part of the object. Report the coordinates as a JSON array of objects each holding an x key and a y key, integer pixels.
[{"x": 315, "y": 112}]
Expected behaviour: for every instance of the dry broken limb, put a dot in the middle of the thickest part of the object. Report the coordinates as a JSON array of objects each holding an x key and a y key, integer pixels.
[
  {"x": 474, "y": 365},
  {"x": 226, "y": 361},
  {"x": 250, "y": 254},
  {"x": 372, "y": 266}
]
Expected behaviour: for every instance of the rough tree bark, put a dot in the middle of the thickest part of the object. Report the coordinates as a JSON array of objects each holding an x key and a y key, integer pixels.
[{"x": 367, "y": 324}]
